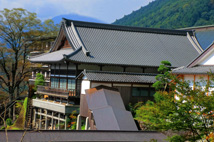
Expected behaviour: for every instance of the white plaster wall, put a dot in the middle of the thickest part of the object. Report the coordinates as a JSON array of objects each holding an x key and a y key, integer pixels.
[
  {"x": 209, "y": 60},
  {"x": 85, "y": 85},
  {"x": 201, "y": 79},
  {"x": 189, "y": 78}
]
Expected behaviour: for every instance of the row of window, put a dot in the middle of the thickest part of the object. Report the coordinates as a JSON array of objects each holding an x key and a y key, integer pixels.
[
  {"x": 142, "y": 92},
  {"x": 62, "y": 72},
  {"x": 62, "y": 83}
]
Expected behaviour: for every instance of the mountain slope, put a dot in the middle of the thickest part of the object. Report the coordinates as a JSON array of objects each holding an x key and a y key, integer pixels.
[
  {"x": 73, "y": 16},
  {"x": 171, "y": 14}
]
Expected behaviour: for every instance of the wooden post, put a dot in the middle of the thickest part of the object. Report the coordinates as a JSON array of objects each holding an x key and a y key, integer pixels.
[
  {"x": 40, "y": 120},
  {"x": 52, "y": 121},
  {"x": 34, "y": 119},
  {"x": 66, "y": 122},
  {"x": 78, "y": 122},
  {"x": 46, "y": 119},
  {"x": 87, "y": 123},
  {"x": 58, "y": 120}
]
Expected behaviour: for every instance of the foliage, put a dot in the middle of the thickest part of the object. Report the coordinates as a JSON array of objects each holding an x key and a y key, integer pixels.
[
  {"x": 40, "y": 80},
  {"x": 20, "y": 122},
  {"x": 73, "y": 118},
  {"x": 83, "y": 127},
  {"x": 133, "y": 108},
  {"x": 18, "y": 30},
  {"x": 9, "y": 122},
  {"x": 16, "y": 27},
  {"x": 176, "y": 138},
  {"x": 180, "y": 109},
  {"x": 171, "y": 14}
]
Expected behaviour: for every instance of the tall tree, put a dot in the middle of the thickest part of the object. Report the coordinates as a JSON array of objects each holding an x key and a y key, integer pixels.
[{"x": 16, "y": 26}]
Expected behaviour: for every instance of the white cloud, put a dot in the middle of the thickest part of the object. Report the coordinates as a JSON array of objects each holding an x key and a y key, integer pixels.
[{"x": 105, "y": 10}]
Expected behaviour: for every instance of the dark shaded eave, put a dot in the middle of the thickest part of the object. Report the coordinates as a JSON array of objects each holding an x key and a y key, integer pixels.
[
  {"x": 119, "y": 77},
  {"x": 197, "y": 70}
]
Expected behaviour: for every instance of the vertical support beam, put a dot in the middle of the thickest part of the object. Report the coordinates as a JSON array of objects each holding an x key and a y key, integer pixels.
[
  {"x": 194, "y": 83},
  {"x": 67, "y": 63},
  {"x": 124, "y": 69},
  {"x": 76, "y": 73},
  {"x": 52, "y": 121},
  {"x": 50, "y": 75},
  {"x": 143, "y": 70},
  {"x": 66, "y": 121},
  {"x": 59, "y": 77},
  {"x": 208, "y": 82},
  {"x": 34, "y": 119},
  {"x": 46, "y": 119},
  {"x": 40, "y": 120},
  {"x": 58, "y": 120},
  {"x": 78, "y": 122},
  {"x": 101, "y": 67},
  {"x": 86, "y": 123}
]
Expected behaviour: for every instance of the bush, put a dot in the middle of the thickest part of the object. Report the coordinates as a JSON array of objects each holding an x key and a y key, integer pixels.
[
  {"x": 40, "y": 80},
  {"x": 9, "y": 122},
  {"x": 176, "y": 138}
]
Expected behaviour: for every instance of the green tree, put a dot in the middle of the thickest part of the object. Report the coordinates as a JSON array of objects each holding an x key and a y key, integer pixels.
[
  {"x": 16, "y": 26},
  {"x": 180, "y": 109},
  {"x": 40, "y": 80},
  {"x": 19, "y": 30}
]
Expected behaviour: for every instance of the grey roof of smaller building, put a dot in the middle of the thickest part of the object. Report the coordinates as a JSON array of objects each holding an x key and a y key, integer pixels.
[
  {"x": 51, "y": 57},
  {"x": 194, "y": 70},
  {"x": 125, "y": 77},
  {"x": 78, "y": 135}
]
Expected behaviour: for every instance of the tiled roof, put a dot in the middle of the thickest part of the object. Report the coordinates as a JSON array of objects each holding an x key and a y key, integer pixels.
[
  {"x": 119, "y": 77},
  {"x": 51, "y": 57},
  {"x": 131, "y": 46},
  {"x": 205, "y": 38},
  {"x": 194, "y": 70},
  {"x": 204, "y": 34}
]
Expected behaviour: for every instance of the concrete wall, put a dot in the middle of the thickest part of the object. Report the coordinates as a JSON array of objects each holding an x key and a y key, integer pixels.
[{"x": 54, "y": 106}]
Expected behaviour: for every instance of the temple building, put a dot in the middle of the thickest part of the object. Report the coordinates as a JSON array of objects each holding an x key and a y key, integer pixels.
[
  {"x": 200, "y": 69},
  {"x": 86, "y": 55}
]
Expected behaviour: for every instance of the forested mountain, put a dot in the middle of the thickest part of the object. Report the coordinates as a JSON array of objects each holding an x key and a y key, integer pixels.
[{"x": 171, "y": 14}]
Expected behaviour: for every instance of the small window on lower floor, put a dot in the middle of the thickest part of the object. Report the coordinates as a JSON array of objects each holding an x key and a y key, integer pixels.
[{"x": 139, "y": 91}]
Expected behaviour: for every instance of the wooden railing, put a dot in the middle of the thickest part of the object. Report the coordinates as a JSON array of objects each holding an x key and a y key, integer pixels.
[{"x": 55, "y": 91}]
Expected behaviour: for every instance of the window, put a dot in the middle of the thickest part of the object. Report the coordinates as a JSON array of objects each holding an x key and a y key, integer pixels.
[
  {"x": 152, "y": 91},
  {"x": 63, "y": 83},
  {"x": 71, "y": 83},
  {"x": 140, "y": 91},
  {"x": 54, "y": 82}
]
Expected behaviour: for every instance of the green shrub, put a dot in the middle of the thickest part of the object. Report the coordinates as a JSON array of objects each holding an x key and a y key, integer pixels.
[
  {"x": 40, "y": 80},
  {"x": 9, "y": 122},
  {"x": 176, "y": 138}
]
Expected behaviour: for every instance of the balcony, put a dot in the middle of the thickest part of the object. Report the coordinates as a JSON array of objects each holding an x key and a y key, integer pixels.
[
  {"x": 65, "y": 108},
  {"x": 56, "y": 92}
]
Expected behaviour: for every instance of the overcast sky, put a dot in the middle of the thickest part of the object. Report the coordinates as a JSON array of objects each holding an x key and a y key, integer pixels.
[{"x": 104, "y": 10}]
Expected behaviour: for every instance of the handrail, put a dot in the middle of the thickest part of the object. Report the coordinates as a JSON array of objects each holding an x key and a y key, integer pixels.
[{"x": 57, "y": 91}]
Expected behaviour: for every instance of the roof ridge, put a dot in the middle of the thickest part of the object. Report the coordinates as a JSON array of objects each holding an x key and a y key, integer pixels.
[
  {"x": 126, "y": 28},
  {"x": 198, "y": 57}
]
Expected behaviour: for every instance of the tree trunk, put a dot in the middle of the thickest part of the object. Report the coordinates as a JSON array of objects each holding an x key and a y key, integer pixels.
[{"x": 14, "y": 112}]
